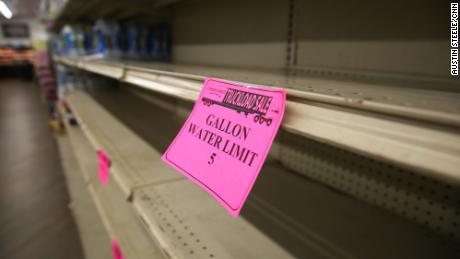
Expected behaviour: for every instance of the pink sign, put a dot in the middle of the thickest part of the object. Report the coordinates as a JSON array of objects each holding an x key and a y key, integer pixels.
[
  {"x": 225, "y": 140},
  {"x": 116, "y": 250},
  {"x": 104, "y": 164}
]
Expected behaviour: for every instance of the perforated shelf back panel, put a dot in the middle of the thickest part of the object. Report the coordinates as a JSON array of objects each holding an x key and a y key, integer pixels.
[
  {"x": 411, "y": 195},
  {"x": 190, "y": 224}
]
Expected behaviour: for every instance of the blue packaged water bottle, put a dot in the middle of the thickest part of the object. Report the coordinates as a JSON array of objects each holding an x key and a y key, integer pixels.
[
  {"x": 101, "y": 32},
  {"x": 114, "y": 41},
  {"x": 132, "y": 49},
  {"x": 68, "y": 41},
  {"x": 143, "y": 42}
]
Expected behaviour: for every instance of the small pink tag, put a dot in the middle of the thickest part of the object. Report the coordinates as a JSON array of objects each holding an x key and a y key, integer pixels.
[
  {"x": 225, "y": 140},
  {"x": 116, "y": 250},
  {"x": 104, "y": 164}
]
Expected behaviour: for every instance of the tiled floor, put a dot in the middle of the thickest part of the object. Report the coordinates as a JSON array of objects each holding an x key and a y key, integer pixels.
[{"x": 35, "y": 221}]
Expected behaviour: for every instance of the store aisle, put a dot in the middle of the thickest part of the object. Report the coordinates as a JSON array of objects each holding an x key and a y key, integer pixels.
[{"x": 35, "y": 221}]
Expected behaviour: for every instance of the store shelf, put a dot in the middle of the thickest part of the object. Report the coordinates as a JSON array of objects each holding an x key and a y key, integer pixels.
[
  {"x": 113, "y": 71},
  {"x": 436, "y": 103},
  {"x": 94, "y": 237},
  {"x": 432, "y": 203},
  {"x": 110, "y": 203},
  {"x": 413, "y": 128},
  {"x": 223, "y": 224},
  {"x": 188, "y": 223},
  {"x": 80, "y": 145},
  {"x": 132, "y": 158},
  {"x": 122, "y": 223}
]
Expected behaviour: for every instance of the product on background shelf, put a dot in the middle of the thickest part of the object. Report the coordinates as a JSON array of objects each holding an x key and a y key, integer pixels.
[
  {"x": 101, "y": 34},
  {"x": 68, "y": 41},
  {"x": 49, "y": 9},
  {"x": 79, "y": 40},
  {"x": 114, "y": 40},
  {"x": 165, "y": 43},
  {"x": 143, "y": 42}
]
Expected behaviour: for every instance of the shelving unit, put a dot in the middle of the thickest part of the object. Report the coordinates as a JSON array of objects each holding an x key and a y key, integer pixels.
[
  {"x": 94, "y": 237},
  {"x": 105, "y": 207},
  {"x": 406, "y": 126},
  {"x": 120, "y": 145},
  {"x": 122, "y": 223},
  {"x": 159, "y": 175},
  {"x": 196, "y": 227},
  {"x": 188, "y": 223}
]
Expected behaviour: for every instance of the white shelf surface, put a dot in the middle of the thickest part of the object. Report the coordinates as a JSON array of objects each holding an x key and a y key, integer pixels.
[
  {"x": 413, "y": 128},
  {"x": 190, "y": 224},
  {"x": 438, "y": 104},
  {"x": 80, "y": 145},
  {"x": 122, "y": 222},
  {"x": 132, "y": 158},
  {"x": 95, "y": 239},
  {"x": 116, "y": 214},
  {"x": 115, "y": 71},
  {"x": 223, "y": 233}
]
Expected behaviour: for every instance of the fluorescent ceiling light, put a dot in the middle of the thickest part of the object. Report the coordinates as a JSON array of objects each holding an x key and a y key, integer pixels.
[{"x": 5, "y": 10}]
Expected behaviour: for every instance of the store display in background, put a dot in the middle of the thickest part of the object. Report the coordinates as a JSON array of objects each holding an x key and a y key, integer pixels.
[
  {"x": 15, "y": 46},
  {"x": 20, "y": 38},
  {"x": 49, "y": 9},
  {"x": 114, "y": 40},
  {"x": 52, "y": 93},
  {"x": 23, "y": 32},
  {"x": 15, "y": 30},
  {"x": 16, "y": 62},
  {"x": 12, "y": 56},
  {"x": 47, "y": 81}
]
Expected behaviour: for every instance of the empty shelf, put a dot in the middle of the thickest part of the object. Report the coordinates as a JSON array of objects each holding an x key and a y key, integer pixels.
[
  {"x": 116, "y": 212},
  {"x": 413, "y": 128},
  {"x": 189, "y": 223},
  {"x": 132, "y": 159},
  {"x": 95, "y": 239},
  {"x": 109, "y": 200}
]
